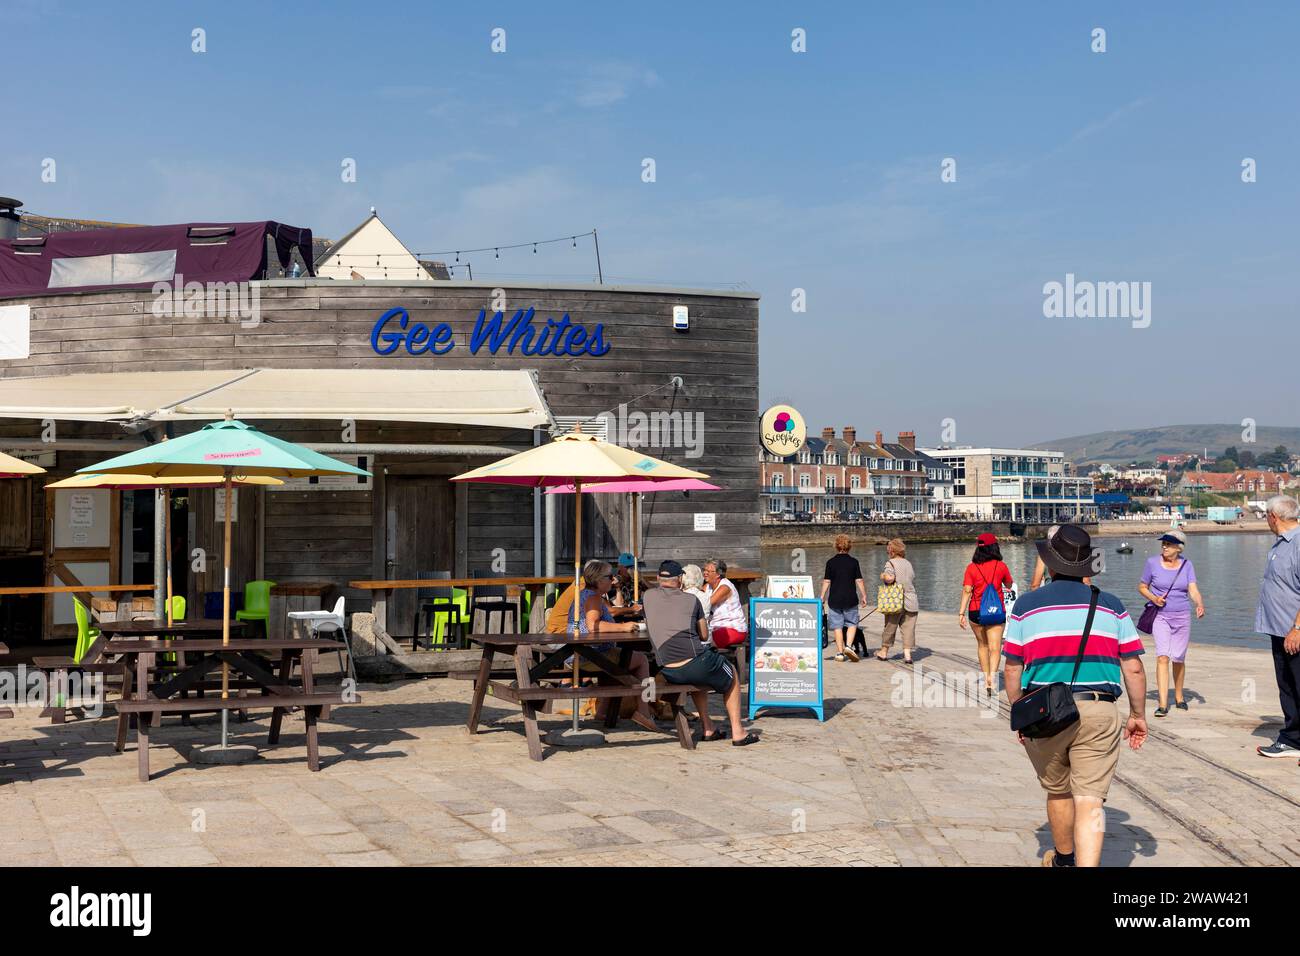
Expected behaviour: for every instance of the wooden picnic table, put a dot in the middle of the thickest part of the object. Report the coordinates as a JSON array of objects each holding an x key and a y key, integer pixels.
[
  {"x": 154, "y": 627},
  {"x": 74, "y": 589},
  {"x": 96, "y": 660},
  {"x": 381, "y": 589},
  {"x": 531, "y": 695},
  {"x": 204, "y": 655}
]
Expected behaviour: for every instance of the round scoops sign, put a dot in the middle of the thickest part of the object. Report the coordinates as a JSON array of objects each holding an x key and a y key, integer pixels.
[{"x": 782, "y": 430}]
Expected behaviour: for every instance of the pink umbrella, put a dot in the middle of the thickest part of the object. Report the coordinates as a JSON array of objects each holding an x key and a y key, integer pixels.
[
  {"x": 623, "y": 487},
  {"x": 635, "y": 488}
]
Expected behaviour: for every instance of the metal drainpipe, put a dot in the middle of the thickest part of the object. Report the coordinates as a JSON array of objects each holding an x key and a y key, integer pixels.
[
  {"x": 537, "y": 516},
  {"x": 160, "y": 501}
]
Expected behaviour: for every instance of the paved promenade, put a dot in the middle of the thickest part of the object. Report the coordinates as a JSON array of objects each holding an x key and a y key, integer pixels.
[{"x": 905, "y": 771}]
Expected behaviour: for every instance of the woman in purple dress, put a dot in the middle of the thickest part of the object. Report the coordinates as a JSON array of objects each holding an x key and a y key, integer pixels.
[{"x": 1169, "y": 582}]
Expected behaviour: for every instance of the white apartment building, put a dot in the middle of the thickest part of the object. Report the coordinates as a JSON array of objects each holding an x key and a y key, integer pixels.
[{"x": 1015, "y": 484}]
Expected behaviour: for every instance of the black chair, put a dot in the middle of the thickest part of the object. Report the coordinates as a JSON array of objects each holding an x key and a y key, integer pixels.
[
  {"x": 434, "y": 601},
  {"x": 491, "y": 599}
]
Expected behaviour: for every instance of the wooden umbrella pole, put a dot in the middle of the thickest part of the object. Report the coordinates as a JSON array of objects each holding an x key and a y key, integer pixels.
[
  {"x": 577, "y": 588},
  {"x": 225, "y": 609},
  {"x": 636, "y": 547}
]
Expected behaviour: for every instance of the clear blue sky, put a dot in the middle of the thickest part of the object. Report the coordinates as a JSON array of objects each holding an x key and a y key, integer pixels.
[{"x": 779, "y": 170}]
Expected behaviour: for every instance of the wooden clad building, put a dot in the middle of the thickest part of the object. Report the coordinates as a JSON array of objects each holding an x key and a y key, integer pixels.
[{"x": 686, "y": 396}]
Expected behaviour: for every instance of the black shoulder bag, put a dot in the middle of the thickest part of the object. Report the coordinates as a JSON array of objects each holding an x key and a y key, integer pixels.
[{"x": 1046, "y": 711}]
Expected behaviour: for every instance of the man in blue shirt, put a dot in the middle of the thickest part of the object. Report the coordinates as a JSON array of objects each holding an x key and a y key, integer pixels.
[{"x": 1278, "y": 616}]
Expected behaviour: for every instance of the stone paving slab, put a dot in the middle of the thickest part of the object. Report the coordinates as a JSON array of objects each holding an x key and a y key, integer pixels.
[{"x": 891, "y": 778}]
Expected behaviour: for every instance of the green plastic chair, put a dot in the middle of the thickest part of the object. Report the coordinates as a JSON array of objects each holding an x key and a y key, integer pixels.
[
  {"x": 86, "y": 634},
  {"x": 178, "y": 614},
  {"x": 459, "y": 598},
  {"x": 257, "y": 603}
]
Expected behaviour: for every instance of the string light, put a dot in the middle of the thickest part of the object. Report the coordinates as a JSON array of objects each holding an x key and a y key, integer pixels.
[{"x": 515, "y": 245}]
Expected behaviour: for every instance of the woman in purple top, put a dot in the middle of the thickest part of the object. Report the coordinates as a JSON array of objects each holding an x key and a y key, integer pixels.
[{"x": 1169, "y": 582}]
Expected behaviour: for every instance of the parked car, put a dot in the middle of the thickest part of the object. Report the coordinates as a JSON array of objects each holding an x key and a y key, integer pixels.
[
  {"x": 802, "y": 516},
  {"x": 789, "y": 516},
  {"x": 898, "y": 516}
]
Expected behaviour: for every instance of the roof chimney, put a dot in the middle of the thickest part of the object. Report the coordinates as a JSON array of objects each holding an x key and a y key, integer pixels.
[
  {"x": 9, "y": 218},
  {"x": 850, "y": 434},
  {"x": 880, "y": 439},
  {"x": 828, "y": 434},
  {"x": 907, "y": 440}
]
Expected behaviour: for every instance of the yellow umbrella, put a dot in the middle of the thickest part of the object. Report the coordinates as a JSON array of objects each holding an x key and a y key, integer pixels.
[
  {"x": 11, "y": 467},
  {"x": 134, "y": 482},
  {"x": 575, "y": 459}
]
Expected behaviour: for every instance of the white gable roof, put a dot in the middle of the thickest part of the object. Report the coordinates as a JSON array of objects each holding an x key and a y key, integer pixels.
[{"x": 371, "y": 251}]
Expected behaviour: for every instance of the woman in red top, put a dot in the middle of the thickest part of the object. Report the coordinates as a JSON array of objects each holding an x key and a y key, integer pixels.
[{"x": 986, "y": 569}]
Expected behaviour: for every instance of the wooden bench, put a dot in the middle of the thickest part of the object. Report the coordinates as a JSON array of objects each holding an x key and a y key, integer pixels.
[
  {"x": 311, "y": 704},
  {"x": 60, "y": 665},
  {"x": 673, "y": 694}
]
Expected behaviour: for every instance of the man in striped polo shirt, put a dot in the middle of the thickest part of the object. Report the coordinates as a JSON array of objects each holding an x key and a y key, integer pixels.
[{"x": 1075, "y": 767}]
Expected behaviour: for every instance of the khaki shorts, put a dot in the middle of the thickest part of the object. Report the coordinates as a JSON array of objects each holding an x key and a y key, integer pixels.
[{"x": 1080, "y": 760}]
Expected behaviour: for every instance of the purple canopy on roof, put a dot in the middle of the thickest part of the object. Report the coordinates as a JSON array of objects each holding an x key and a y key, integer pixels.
[{"x": 133, "y": 257}]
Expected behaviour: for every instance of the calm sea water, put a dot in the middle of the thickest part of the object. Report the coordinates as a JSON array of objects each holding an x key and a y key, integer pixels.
[{"x": 1228, "y": 569}]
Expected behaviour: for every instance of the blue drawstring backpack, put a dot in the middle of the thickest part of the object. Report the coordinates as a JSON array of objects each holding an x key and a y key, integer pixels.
[{"x": 992, "y": 611}]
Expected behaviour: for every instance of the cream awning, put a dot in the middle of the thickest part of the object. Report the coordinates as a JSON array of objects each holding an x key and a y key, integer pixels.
[{"x": 496, "y": 398}]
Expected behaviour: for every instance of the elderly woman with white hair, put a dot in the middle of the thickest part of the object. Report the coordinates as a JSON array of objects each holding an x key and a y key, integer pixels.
[
  {"x": 693, "y": 583},
  {"x": 1169, "y": 583}
]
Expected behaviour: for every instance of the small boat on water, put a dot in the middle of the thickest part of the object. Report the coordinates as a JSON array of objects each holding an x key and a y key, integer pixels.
[
  {"x": 1017, "y": 529},
  {"x": 1124, "y": 548}
]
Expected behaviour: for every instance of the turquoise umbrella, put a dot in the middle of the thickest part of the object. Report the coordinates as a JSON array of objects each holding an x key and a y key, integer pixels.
[{"x": 224, "y": 449}]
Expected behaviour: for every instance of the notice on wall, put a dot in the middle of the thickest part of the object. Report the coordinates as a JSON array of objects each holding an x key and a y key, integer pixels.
[
  {"x": 81, "y": 511},
  {"x": 706, "y": 521},
  {"x": 15, "y": 331},
  {"x": 221, "y": 505},
  {"x": 332, "y": 482},
  {"x": 785, "y": 654}
]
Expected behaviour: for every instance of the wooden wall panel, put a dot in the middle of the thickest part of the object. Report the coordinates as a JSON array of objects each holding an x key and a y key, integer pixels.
[{"x": 330, "y": 535}]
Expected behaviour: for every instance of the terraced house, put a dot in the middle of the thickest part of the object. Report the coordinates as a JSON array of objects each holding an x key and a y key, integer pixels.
[{"x": 845, "y": 476}]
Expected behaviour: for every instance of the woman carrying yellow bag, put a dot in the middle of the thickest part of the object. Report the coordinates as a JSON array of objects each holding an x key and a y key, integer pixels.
[{"x": 896, "y": 599}]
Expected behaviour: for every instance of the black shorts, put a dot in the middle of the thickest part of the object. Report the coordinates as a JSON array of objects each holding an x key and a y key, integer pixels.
[
  {"x": 973, "y": 616},
  {"x": 709, "y": 669}
]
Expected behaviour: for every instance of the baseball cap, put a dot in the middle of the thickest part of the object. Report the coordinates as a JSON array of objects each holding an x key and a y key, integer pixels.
[
  {"x": 670, "y": 569},
  {"x": 1174, "y": 537},
  {"x": 626, "y": 560},
  {"x": 986, "y": 538}
]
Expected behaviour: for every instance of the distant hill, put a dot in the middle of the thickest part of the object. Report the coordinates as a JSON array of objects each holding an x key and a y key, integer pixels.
[{"x": 1121, "y": 447}]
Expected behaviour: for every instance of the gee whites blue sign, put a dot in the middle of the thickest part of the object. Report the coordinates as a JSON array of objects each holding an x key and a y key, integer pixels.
[{"x": 559, "y": 337}]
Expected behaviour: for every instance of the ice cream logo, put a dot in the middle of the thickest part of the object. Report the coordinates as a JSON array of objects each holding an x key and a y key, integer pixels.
[{"x": 782, "y": 430}]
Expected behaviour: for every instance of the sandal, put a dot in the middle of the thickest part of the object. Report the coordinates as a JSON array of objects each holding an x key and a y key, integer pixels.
[
  {"x": 1180, "y": 704},
  {"x": 907, "y": 661},
  {"x": 746, "y": 740},
  {"x": 881, "y": 657},
  {"x": 718, "y": 734}
]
